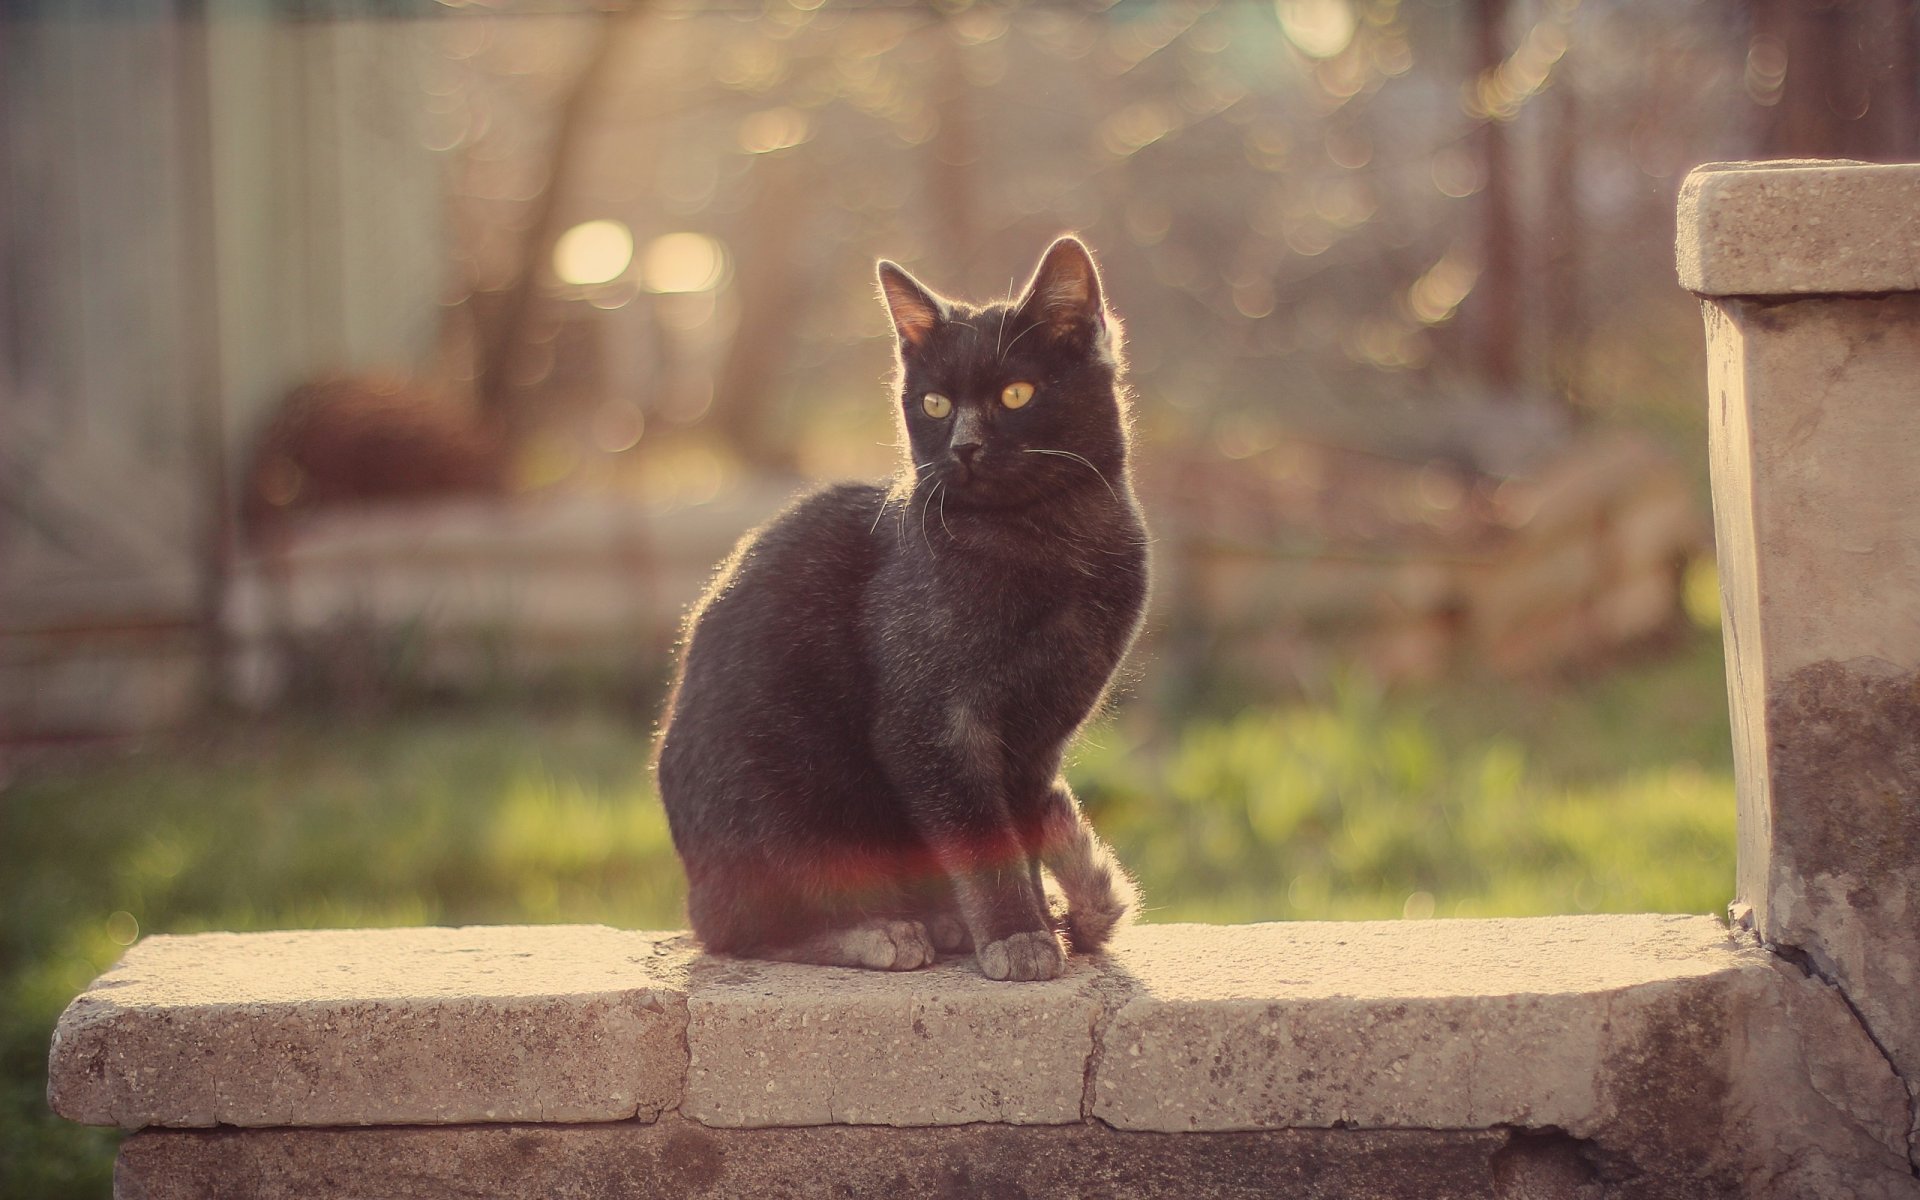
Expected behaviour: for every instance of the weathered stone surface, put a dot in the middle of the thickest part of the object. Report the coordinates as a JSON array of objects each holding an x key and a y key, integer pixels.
[
  {"x": 782, "y": 1044},
  {"x": 1799, "y": 227},
  {"x": 1761, "y": 1083},
  {"x": 677, "y": 1159},
  {"x": 1816, "y": 458},
  {"x": 1675, "y": 1050},
  {"x": 388, "y": 1026},
  {"x": 1450, "y": 1024},
  {"x": 1686, "y": 1062}
]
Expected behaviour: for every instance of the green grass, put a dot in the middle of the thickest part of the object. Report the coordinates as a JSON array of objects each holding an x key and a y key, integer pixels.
[
  {"x": 1607, "y": 794},
  {"x": 1612, "y": 795}
]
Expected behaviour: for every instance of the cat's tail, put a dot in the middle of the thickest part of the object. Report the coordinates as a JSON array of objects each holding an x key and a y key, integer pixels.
[{"x": 1100, "y": 895}]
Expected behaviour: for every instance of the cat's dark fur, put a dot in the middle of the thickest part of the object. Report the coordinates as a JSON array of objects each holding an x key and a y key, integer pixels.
[{"x": 860, "y": 760}]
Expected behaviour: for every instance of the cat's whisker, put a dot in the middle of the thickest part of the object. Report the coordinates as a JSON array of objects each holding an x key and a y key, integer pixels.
[
  {"x": 942, "y": 493},
  {"x": 924, "y": 502},
  {"x": 878, "y": 515},
  {"x": 1016, "y": 337},
  {"x": 1082, "y": 460}
]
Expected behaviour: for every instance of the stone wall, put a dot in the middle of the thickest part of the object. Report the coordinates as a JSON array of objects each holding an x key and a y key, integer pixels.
[
  {"x": 1810, "y": 280},
  {"x": 1628, "y": 1056},
  {"x": 1575, "y": 1056}
]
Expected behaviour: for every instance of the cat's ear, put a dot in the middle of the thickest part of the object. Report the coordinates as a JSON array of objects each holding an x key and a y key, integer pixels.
[
  {"x": 915, "y": 309},
  {"x": 1065, "y": 286},
  {"x": 1064, "y": 295}
]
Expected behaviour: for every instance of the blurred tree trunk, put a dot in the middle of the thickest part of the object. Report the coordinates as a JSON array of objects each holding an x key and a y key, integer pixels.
[
  {"x": 1852, "y": 87},
  {"x": 769, "y": 279},
  {"x": 952, "y": 153},
  {"x": 1498, "y": 289},
  {"x": 506, "y": 326},
  {"x": 1893, "y": 31},
  {"x": 1812, "y": 31},
  {"x": 1565, "y": 305}
]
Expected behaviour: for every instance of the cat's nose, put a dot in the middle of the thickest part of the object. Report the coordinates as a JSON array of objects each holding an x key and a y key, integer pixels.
[{"x": 964, "y": 451}]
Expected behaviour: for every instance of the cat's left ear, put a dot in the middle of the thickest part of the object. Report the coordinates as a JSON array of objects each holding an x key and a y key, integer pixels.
[
  {"x": 915, "y": 309},
  {"x": 1064, "y": 296}
]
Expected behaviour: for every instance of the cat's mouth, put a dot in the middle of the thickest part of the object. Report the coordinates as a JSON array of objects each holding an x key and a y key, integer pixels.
[
  {"x": 979, "y": 480},
  {"x": 981, "y": 484}
]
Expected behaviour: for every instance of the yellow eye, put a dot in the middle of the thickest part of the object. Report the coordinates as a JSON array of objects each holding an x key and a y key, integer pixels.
[
  {"x": 1016, "y": 395},
  {"x": 937, "y": 406}
]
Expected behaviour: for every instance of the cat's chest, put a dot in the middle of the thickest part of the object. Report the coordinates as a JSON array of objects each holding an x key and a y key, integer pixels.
[{"x": 1038, "y": 617}]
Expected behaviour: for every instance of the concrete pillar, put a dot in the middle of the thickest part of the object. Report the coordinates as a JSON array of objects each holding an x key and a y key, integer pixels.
[{"x": 1809, "y": 275}]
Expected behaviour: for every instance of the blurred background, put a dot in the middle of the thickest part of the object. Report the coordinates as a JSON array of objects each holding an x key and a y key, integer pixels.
[{"x": 381, "y": 379}]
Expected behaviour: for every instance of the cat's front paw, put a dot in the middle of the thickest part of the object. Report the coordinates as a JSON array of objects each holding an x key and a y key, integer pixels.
[
  {"x": 1023, "y": 956},
  {"x": 889, "y": 945}
]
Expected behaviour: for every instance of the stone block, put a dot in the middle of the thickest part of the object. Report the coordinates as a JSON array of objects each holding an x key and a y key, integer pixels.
[
  {"x": 1674, "y": 1051},
  {"x": 390, "y": 1026},
  {"x": 1815, "y": 450},
  {"x": 1799, "y": 227},
  {"x": 1458, "y": 1024},
  {"x": 783, "y": 1044}
]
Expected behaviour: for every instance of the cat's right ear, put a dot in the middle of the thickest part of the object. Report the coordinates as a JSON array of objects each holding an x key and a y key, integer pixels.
[{"x": 915, "y": 309}]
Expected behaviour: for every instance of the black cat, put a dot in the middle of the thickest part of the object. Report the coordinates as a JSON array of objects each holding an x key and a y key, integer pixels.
[{"x": 860, "y": 760}]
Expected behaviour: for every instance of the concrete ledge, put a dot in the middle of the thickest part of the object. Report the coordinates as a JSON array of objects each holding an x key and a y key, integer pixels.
[
  {"x": 1799, "y": 228},
  {"x": 781, "y": 1044},
  {"x": 382, "y": 1026},
  {"x": 1666, "y": 1047}
]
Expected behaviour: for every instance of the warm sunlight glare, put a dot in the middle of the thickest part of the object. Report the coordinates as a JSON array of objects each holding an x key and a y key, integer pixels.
[
  {"x": 593, "y": 252},
  {"x": 1320, "y": 28},
  {"x": 682, "y": 262},
  {"x": 773, "y": 129}
]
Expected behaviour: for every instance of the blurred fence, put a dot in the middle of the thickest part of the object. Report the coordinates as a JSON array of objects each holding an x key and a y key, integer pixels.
[
  {"x": 196, "y": 216},
  {"x": 1292, "y": 562},
  {"x": 1280, "y": 567}
]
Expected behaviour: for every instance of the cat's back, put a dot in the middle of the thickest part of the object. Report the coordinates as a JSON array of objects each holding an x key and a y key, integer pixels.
[
  {"x": 818, "y": 543},
  {"x": 772, "y": 693},
  {"x": 791, "y": 588}
]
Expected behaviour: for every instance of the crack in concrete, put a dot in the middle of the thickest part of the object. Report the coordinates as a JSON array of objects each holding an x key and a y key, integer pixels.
[
  {"x": 1111, "y": 991},
  {"x": 1096, "y": 1045},
  {"x": 1810, "y": 965},
  {"x": 684, "y": 1035}
]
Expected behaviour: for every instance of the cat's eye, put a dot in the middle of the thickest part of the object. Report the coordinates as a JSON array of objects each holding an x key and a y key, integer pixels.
[
  {"x": 937, "y": 406},
  {"x": 1016, "y": 395}
]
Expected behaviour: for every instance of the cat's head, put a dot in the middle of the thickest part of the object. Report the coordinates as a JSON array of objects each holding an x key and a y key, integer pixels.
[{"x": 1015, "y": 401}]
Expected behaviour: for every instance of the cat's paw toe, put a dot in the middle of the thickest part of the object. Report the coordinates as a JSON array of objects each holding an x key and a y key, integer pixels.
[
  {"x": 1023, "y": 956},
  {"x": 896, "y": 946}
]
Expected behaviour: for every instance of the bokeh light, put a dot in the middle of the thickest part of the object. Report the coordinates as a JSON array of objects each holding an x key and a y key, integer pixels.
[
  {"x": 1320, "y": 28},
  {"x": 683, "y": 262},
  {"x": 593, "y": 252}
]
